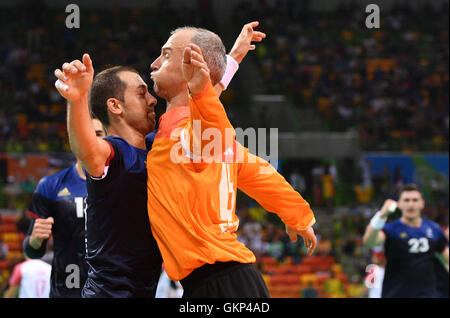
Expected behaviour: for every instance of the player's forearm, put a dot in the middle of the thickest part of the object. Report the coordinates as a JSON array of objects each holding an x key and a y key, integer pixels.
[
  {"x": 82, "y": 138},
  {"x": 12, "y": 292},
  {"x": 208, "y": 116},
  {"x": 219, "y": 89},
  {"x": 258, "y": 179},
  {"x": 370, "y": 237}
]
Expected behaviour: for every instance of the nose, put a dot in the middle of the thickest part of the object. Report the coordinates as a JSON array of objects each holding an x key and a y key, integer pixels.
[
  {"x": 151, "y": 100},
  {"x": 155, "y": 65}
]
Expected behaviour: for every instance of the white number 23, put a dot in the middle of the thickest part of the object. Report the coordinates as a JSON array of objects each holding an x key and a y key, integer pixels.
[{"x": 420, "y": 245}]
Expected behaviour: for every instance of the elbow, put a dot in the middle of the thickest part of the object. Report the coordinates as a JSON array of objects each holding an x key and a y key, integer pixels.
[{"x": 93, "y": 164}]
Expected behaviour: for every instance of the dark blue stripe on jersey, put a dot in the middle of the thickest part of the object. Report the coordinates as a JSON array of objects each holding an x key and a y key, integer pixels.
[
  {"x": 122, "y": 254},
  {"x": 149, "y": 139}
]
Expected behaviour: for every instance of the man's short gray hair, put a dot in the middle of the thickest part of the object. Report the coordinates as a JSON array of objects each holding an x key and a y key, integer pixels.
[{"x": 213, "y": 51}]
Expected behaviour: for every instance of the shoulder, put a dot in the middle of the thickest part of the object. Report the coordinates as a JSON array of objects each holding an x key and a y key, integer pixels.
[
  {"x": 392, "y": 226},
  {"x": 433, "y": 225},
  {"x": 116, "y": 141},
  {"x": 16, "y": 275},
  {"x": 124, "y": 154},
  {"x": 48, "y": 184},
  {"x": 119, "y": 145}
]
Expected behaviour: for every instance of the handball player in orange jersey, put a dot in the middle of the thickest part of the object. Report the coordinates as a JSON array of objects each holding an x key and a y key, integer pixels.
[{"x": 191, "y": 198}]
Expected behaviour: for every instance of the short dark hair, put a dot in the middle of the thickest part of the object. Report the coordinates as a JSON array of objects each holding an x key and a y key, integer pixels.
[
  {"x": 107, "y": 84},
  {"x": 409, "y": 187}
]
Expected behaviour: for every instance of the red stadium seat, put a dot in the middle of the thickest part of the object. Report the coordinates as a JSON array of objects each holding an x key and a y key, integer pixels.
[
  {"x": 268, "y": 260},
  {"x": 10, "y": 237},
  {"x": 7, "y": 219},
  {"x": 302, "y": 269},
  {"x": 14, "y": 246},
  {"x": 21, "y": 237},
  {"x": 4, "y": 264},
  {"x": 329, "y": 260},
  {"x": 8, "y": 228},
  {"x": 342, "y": 277},
  {"x": 285, "y": 279}
]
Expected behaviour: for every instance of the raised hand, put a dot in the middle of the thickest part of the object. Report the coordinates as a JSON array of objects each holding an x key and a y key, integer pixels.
[
  {"x": 388, "y": 207},
  {"x": 244, "y": 41},
  {"x": 75, "y": 78},
  {"x": 195, "y": 69},
  {"x": 42, "y": 230}
]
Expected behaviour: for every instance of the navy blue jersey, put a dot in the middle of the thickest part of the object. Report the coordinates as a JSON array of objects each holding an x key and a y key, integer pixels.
[
  {"x": 62, "y": 196},
  {"x": 410, "y": 254},
  {"x": 442, "y": 278},
  {"x": 149, "y": 139},
  {"x": 122, "y": 254},
  {"x": 442, "y": 275}
]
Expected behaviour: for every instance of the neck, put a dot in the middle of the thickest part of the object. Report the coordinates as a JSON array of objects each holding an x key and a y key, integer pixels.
[
  {"x": 79, "y": 169},
  {"x": 180, "y": 100},
  {"x": 415, "y": 222},
  {"x": 132, "y": 136}
]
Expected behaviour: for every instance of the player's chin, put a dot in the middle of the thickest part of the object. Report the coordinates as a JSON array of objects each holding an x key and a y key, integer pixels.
[
  {"x": 412, "y": 213},
  {"x": 156, "y": 89},
  {"x": 150, "y": 126}
]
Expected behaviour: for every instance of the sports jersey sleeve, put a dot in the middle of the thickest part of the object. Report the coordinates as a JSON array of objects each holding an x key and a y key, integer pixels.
[
  {"x": 209, "y": 123},
  {"x": 387, "y": 229},
  {"x": 41, "y": 201},
  {"x": 121, "y": 158},
  {"x": 258, "y": 179}
]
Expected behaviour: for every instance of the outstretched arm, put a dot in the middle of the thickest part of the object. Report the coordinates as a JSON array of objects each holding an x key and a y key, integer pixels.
[
  {"x": 74, "y": 81},
  {"x": 373, "y": 235},
  {"x": 258, "y": 179}
]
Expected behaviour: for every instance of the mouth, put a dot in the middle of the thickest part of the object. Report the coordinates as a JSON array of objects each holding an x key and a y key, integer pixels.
[{"x": 152, "y": 114}]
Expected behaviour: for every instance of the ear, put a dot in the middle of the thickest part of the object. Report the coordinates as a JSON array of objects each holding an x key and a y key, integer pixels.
[
  {"x": 114, "y": 106},
  {"x": 423, "y": 203}
]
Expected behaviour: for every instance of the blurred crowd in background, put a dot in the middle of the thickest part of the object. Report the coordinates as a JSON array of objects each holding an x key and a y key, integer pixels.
[{"x": 390, "y": 85}]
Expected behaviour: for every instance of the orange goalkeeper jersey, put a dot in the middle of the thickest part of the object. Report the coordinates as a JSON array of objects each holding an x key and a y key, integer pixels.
[{"x": 191, "y": 201}]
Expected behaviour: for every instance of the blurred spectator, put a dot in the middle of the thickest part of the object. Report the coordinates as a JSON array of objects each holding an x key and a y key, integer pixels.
[
  {"x": 297, "y": 181},
  {"x": 364, "y": 191},
  {"x": 334, "y": 287},
  {"x": 3, "y": 250},
  {"x": 275, "y": 247},
  {"x": 324, "y": 247},
  {"x": 309, "y": 291},
  {"x": 328, "y": 188},
  {"x": 29, "y": 279},
  {"x": 317, "y": 173},
  {"x": 375, "y": 273},
  {"x": 390, "y": 85}
]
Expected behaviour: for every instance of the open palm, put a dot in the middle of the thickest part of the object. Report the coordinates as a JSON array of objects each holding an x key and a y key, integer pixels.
[
  {"x": 75, "y": 78},
  {"x": 195, "y": 69}
]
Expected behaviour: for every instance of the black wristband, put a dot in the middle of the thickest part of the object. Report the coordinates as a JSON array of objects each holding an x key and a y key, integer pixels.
[{"x": 31, "y": 252}]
